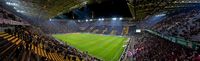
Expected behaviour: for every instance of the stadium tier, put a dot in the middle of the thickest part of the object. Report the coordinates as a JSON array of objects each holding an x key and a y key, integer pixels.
[
  {"x": 25, "y": 44},
  {"x": 103, "y": 30}
]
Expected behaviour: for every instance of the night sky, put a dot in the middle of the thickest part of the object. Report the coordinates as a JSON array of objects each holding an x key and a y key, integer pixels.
[{"x": 106, "y": 9}]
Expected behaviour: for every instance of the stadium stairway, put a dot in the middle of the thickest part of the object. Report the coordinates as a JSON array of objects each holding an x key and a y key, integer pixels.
[
  {"x": 113, "y": 32},
  {"x": 104, "y": 30},
  {"x": 125, "y": 30},
  {"x": 95, "y": 31},
  {"x": 8, "y": 44},
  {"x": 91, "y": 28}
]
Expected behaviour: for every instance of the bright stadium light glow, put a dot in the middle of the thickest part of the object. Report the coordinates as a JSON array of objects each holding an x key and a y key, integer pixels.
[
  {"x": 120, "y": 18},
  {"x": 50, "y": 19},
  {"x": 160, "y": 15},
  {"x": 8, "y": 3},
  {"x": 102, "y": 19},
  {"x": 99, "y": 19},
  {"x": 13, "y": 4},
  {"x": 138, "y": 31},
  {"x": 79, "y": 21},
  {"x": 90, "y": 19},
  {"x": 15, "y": 8},
  {"x": 114, "y": 18},
  {"x": 20, "y": 11},
  {"x": 86, "y": 20}
]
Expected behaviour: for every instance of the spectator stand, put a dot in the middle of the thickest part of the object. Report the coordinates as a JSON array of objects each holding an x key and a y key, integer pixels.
[
  {"x": 11, "y": 22},
  {"x": 180, "y": 41}
]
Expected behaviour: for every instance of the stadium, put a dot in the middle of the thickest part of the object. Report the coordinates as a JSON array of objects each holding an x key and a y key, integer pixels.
[{"x": 99, "y": 30}]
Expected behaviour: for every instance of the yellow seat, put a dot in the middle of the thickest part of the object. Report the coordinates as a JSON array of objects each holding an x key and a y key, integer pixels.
[
  {"x": 77, "y": 58},
  {"x": 2, "y": 35},
  {"x": 2, "y": 32},
  {"x": 32, "y": 47},
  {"x": 50, "y": 54},
  {"x": 35, "y": 50},
  {"x": 45, "y": 53},
  {"x": 7, "y": 36},
  {"x": 54, "y": 56},
  {"x": 18, "y": 41},
  {"x": 40, "y": 49},
  {"x": 71, "y": 58},
  {"x": 13, "y": 41},
  {"x": 59, "y": 58},
  {"x": 9, "y": 39}
]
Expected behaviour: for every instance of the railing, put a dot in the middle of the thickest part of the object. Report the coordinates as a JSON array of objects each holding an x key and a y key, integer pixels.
[{"x": 11, "y": 22}]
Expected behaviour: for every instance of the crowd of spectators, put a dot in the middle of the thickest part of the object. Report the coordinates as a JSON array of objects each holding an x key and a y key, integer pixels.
[
  {"x": 147, "y": 48},
  {"x": 59, "y": 26},
  {"x": 35, "y": 36},
  {"x": 184, "y": 25},
  {"x": 7, "y": 21},
  {"x": 32, "y": 36},
  {"x": 8, "y": 15},
  {"x": 153, "y": 48},
  {"x": 104, "y": 27},
  {"x": 54, "y": 45}
]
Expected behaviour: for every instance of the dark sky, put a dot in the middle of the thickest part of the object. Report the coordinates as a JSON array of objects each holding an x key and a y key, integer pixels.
[
  {"x": 111, "y": 8},
  {"x": 107, "y": 9}
]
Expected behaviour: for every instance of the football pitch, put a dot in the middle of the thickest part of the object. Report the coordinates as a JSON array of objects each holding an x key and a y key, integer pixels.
[{"x": 105, "y": 47}]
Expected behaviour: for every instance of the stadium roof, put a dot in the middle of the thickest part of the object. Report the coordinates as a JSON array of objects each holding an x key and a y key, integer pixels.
[
  {"x": 142, "y": 8},
  {"x": 139, "y": 9},
  {"x": 46, "y": 9},
  {"x": 103, "y": 9},
  {"x": 43, "y": 8}
]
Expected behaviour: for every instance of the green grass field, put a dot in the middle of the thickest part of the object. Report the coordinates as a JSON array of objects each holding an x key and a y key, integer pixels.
[{"x": 107, "y": 48}]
